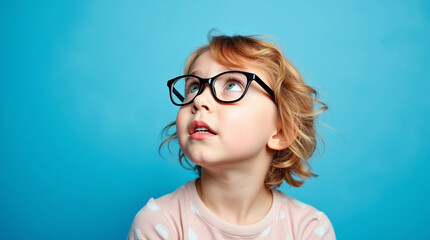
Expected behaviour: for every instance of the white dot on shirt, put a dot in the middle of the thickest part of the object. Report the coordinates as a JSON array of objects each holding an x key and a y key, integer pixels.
[
  {"x": 300, "y": 204},
  {"x": 193, "y": 209},
  {"x": 281, "y": 215},
  {"x": 265, "y": 232},
  {"x": 288, "y": 238},
  {"x": 137, "y": 234},
  {"x": 284, "y": 199},
  {"x": 152, "y": 206},
  {"x": 191, "y": 234},
  {"x": 162, "y": 231},
  {"x": 320, "y": 231}
]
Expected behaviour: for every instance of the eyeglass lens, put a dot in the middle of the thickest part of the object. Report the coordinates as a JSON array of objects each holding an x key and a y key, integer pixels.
[{"x": 227, "y": 87}]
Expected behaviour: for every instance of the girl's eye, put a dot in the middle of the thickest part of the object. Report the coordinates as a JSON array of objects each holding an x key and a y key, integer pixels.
[
  {"x": 194, "y": 88},
  {"x": 191, "y": 86},
  {"x": 233, "y": 86}
]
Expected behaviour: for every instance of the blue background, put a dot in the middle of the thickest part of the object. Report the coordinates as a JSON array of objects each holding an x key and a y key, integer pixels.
[{"x": 83, "y": 99}]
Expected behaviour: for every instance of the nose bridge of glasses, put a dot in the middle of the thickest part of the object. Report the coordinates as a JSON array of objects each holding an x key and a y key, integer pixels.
[{"x": 203, "y": 82}]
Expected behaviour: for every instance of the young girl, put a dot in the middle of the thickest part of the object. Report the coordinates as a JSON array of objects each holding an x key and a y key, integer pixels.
[{"x": 247, "y": 123}]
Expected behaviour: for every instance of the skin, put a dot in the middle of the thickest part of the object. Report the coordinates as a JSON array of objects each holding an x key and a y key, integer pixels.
[{"x": 235, "y": 160}]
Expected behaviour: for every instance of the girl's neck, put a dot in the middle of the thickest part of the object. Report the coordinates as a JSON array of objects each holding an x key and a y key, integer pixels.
[{"x": 237, "y": 199}]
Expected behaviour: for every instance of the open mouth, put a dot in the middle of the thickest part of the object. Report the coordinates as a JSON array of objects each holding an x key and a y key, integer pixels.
[{"x": 200, "y": 130}]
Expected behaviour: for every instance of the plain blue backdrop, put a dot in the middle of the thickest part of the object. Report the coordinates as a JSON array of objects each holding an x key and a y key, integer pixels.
[{"x": 83, "y": 99}]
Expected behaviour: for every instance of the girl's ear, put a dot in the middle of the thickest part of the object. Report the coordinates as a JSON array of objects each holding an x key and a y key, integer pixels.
[{"x": 280, "y": 140}]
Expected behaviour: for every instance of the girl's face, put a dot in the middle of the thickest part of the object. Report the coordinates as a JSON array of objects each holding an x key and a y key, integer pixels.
[{"x": 238, "y": 131}]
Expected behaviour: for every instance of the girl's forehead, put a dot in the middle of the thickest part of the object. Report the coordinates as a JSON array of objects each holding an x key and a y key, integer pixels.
[
  {"x": 207, "y": 66},
  {"x": 206, "y": 62}
]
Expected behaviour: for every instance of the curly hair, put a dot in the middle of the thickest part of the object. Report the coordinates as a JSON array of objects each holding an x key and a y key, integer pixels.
[{"x": 294, "y": 99}]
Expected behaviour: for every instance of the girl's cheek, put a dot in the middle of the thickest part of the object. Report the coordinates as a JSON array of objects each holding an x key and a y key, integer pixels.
[{"x": 180, "y": 123}]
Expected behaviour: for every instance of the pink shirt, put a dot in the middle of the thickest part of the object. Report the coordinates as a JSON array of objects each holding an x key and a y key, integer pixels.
[{"x": 182, "y": 215}]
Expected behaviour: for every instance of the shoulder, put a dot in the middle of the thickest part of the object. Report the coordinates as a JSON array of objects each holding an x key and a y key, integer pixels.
[
  {"x": 306, "y": 221},
  {"x": 159, "y": 218}
]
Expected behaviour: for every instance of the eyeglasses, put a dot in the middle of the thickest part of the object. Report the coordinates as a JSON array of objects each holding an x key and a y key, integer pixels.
[{"x": 226, "y": 87}]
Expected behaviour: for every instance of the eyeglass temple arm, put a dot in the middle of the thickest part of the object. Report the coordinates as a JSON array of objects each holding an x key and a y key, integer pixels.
[
  {"x": 178, "y": 94},
  {"x": 265, "y": 87}
]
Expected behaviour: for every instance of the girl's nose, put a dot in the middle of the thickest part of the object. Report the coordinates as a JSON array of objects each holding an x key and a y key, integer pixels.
[{"x": 205, "y": 100}]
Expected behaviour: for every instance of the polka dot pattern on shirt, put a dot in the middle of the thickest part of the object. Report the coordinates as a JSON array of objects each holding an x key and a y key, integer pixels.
[
  {"x": 137, "y": 234},
  {"x": 320, "y": 230},
  {"x": 191, "y": 234},
  {"x": 152, "y": 206},
  {"x": 265, "y": 232},
  {"x": 281, "y": 215},
  {"x": 158, "y": 225},
  {"x": 162, "y": 231},
  {"x": 193, "y": 209}
]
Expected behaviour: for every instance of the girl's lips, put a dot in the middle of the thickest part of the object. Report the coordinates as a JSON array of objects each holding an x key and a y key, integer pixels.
[
  {"x": 201, "y": 135},
  {"x": 200, "y": 124}
]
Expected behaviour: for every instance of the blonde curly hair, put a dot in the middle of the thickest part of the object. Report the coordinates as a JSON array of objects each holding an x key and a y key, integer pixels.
[{"x": 294, "y": 99}]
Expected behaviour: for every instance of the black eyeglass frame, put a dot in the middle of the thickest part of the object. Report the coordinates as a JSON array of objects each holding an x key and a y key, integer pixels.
[{"x": 249, "y": 76}]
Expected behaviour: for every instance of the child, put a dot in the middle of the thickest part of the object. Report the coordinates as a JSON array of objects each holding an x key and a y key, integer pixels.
[{"x": 247, "y": 123}]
